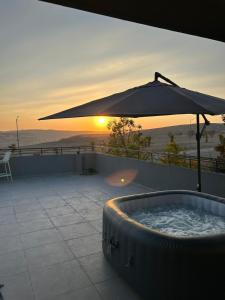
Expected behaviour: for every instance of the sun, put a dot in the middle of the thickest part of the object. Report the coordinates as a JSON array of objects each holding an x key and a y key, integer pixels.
[{"x": 101, "y": 121}]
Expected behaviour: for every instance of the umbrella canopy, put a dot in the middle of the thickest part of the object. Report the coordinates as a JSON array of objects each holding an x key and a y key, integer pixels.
[
  {"x": 201, "y": 18},
  {"x": 152, "y": 99}
]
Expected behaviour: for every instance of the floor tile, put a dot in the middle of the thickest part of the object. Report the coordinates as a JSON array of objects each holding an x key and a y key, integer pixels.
[
  {"x": 8, "y": 210},
  {"x": 30, "y": 209},
  {"x": 12, "y": 263},
  {"x": 5, "y": 202},
  {"x": 60, "y": 211},
  {"x": 8, "y": 219},
  {"x": 67, "y": 219},
  {"x": 84, "y": 204},
  {"x": 17, "y": 287},
  {"x": 97, "y": 268},
  {"x": 86, "y": 245},
  {"x": 48, "y": 254},
  {"x": 77, "y": 230},
  {"x": 40, "y": 237},
  {"x": 97, "y": 195},
  {"x": 52, "y": 201},
  {"x": 25, "y": 207},
  {"x": 97, "y": 224},
  {"x": 9, "y": 244},
  {"x": 36, "y": 225},
  {"x": 23, "y": 199},
  {"x": 31, "y": 215},
  {"x": 89, "y": 293},
  {"x": 116, "y": 289},
  {"x": 91, "y": 214},
  {"x": 7, "y": 230},
  {"x": 57, "y": 279}
]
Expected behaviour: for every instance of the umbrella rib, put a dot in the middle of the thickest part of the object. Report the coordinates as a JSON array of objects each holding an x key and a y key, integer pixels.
[
  {"x": 172, "y": 87},
  {"x": 179, "y": 91}
]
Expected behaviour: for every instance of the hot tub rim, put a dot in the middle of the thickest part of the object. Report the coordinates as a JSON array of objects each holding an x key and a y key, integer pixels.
[{"x": 113, "y": 206}]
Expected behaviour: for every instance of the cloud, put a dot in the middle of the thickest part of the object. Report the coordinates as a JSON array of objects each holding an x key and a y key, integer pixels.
[{"x": 53, "y": 58}]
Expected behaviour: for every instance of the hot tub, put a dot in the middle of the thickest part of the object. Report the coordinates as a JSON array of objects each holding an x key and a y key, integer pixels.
[{"x": 162, "y": 266}]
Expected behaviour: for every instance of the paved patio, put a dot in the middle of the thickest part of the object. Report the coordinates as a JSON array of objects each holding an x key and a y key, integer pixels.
[{"x": 50, "y": 230}]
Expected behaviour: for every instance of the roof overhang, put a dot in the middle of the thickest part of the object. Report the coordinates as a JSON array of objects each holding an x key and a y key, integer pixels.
[{"x": 200, "y": 18}]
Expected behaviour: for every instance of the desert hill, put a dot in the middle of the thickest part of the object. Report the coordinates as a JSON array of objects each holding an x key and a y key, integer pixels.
[{"x": 184, "y": 135}]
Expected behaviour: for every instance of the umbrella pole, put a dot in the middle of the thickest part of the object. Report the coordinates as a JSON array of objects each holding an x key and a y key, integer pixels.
[{"x": 198, "y": 138}]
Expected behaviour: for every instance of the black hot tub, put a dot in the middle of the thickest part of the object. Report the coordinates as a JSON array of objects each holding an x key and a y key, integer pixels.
[{"x": 160, "y": 266}]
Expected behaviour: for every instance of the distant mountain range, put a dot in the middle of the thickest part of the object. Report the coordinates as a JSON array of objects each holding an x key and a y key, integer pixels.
[
  {"x": 184, "y": 135},
  {"x": 36, "y": 136}
]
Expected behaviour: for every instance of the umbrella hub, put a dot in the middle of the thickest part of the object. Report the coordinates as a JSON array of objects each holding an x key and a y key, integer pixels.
[{"x": 158, "y": 75}]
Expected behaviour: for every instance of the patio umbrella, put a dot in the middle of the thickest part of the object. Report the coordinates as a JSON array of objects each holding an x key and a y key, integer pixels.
[{"x": 152, "y": 99}]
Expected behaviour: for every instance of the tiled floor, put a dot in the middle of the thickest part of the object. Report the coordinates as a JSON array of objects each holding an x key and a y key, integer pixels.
[{"x": 50, "y": 239}]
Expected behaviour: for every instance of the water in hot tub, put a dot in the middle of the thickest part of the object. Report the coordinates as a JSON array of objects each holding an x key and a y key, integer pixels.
[{"x": 181, "y": 221}]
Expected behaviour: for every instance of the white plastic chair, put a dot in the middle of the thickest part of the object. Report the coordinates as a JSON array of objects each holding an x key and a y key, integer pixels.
[{"x": 6, "y": 166}]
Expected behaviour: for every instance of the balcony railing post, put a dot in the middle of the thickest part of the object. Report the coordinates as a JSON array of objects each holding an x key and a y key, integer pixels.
[{"x": 216, "y": 165}]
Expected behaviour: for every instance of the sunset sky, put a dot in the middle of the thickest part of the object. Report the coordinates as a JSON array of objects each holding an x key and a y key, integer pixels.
[{"x": 53, "y": 58}]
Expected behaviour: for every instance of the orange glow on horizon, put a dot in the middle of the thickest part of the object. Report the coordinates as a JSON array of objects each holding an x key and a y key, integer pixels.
[{"x": 29, "y": 121}]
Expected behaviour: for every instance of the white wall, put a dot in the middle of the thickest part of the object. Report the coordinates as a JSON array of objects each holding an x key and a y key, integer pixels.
[
  {"x": 162, "y": 177},
  {"x": 156, "y": 176}
]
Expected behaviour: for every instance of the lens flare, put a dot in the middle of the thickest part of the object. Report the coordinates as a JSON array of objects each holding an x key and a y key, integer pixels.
[{"x": 122, "y": 177}]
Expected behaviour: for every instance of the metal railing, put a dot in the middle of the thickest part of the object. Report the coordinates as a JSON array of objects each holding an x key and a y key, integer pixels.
[
  {"x": 37, "y": 151},
  {"x": 182, "y": 160},
  {"x": 208, "y": 164}
]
